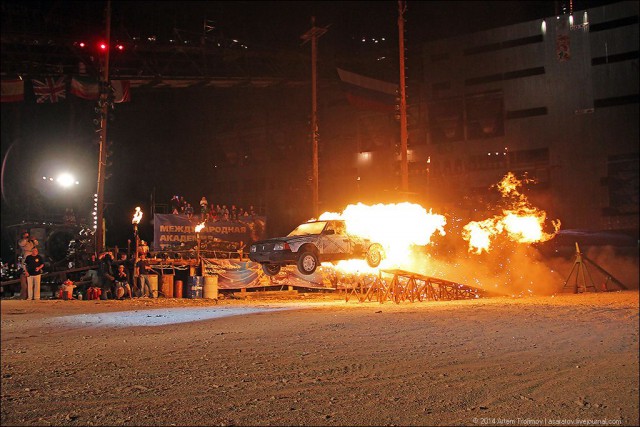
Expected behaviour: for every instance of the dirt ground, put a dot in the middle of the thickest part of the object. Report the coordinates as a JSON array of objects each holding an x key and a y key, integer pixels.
[{"x": 561, "y": 360}]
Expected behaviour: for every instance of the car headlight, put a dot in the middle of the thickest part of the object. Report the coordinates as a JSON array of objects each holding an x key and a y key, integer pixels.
[{"x": 282, "y": 246}]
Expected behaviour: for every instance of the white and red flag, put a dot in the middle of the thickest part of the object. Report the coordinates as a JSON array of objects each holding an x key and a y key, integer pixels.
[
  {"x": 85, "y": 87},
  {"x": 12, "y": 90}
]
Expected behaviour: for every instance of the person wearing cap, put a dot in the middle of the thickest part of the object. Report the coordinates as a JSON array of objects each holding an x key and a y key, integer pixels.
[
  {"x": 122, "y": 283},
  {"x": 34, "y": 266}
]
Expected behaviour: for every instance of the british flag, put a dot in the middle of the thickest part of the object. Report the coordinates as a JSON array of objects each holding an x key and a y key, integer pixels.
[{"x": 51, "y": 89}]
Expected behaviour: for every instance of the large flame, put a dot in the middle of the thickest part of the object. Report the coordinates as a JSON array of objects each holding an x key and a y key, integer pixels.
[
  {"x": 199, "y": 227},
  {"x": 397, "y": 227},
  {"x": 137, "y": 216},
  {"x": 521, "y": 222}
]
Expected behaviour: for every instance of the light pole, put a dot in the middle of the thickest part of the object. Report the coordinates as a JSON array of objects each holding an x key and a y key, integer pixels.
[
  {"x": 313, "y": 35},
  {"x": 404, "y": 169},
  {"x": 102, "y": 157}
]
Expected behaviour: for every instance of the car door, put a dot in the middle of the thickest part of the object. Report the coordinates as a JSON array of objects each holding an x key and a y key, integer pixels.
[{"x": 336, "y": 244}]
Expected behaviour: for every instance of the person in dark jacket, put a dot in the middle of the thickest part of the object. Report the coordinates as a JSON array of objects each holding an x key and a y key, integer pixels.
[{"x": 34, "y": 267}]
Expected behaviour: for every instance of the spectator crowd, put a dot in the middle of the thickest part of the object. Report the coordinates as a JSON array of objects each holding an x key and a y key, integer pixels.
[{"x": 210, "y": 211}]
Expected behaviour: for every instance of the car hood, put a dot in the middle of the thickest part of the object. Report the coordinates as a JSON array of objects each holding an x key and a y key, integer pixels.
[{"x": 291, "y": 239}]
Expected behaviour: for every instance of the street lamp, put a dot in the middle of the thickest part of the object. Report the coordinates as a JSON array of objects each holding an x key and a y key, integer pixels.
[{"x": 65, "y": 180}]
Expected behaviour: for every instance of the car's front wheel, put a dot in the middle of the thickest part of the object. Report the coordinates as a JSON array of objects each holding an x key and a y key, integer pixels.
[
  {"x": 307, "y": 262},
  {"x": 271, "y": 269},
  {"x": 374, "y": 255}
]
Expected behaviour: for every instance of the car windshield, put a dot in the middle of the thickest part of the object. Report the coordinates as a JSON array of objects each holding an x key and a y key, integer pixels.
[{"x": 308, "y": 228}]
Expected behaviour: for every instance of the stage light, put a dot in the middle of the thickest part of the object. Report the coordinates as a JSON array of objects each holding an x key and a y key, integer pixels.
[{"x": 65, "y": 179}]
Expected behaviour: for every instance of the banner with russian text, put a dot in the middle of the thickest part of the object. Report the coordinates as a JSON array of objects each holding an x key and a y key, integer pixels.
[{"x": 177, "y": 231}]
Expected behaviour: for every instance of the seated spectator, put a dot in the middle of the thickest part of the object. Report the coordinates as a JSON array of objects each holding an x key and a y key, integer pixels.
[
  {"x": 204, "y": 208},
  {"x": 122, "y": 283},
  {"x": 213, "y": 213},
  {"x": 92, "y": 275}
]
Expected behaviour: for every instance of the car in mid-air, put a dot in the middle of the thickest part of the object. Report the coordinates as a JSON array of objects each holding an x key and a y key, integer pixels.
[{"x": 311, "y": 244}]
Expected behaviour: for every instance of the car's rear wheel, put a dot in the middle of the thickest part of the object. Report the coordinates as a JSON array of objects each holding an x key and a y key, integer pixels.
[
  {"x": 307, "y": 262},
  {"x": 271, "y": 269},
  {"x": 374, "y": 255}
]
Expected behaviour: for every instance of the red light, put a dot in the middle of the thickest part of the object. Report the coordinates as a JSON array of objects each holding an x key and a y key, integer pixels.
[{"x": 103, "y": 46}]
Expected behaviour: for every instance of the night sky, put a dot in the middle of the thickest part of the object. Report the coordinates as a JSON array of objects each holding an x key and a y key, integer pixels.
[{"x": 156, "y": 136}]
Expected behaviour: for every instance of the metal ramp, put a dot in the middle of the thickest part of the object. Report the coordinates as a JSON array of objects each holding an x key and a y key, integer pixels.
[{"x": 400, "y": 285}]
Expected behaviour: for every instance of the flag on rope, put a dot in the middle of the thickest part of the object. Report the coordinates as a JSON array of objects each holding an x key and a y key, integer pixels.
[
  {"x": 51, "y": 89},
  {"x": 85, "y": 87},
  {"x": 121, "y": 90},
  {"x": 368, "y": 93},
  {"x": 12, "y": 90}
]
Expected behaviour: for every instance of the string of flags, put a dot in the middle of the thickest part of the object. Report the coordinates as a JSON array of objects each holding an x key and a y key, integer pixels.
[{"x": 49, "y": 90}]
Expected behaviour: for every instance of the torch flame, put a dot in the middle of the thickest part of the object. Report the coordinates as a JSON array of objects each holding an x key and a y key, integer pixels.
[
  {"x": 522, "y": 223},
  {"x": 137, "y": 216},
  {"x": 199, "y": 227}
]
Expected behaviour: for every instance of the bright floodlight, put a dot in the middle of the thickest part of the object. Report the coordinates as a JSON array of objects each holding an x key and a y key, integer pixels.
[{"x": 65, "y": 180}]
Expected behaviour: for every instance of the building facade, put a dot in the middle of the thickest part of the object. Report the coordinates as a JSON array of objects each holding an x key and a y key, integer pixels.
[{"x": 554, "y": 100}]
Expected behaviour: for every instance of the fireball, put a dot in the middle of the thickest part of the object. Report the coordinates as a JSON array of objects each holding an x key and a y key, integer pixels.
[
  {"x": 522, "y": 222},
  {"x": 397, "y": 227}
]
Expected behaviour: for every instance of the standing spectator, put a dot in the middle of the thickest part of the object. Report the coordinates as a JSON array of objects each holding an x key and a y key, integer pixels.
[
  {"x": 144, "y": 270},
  {"x": 189, "y": 210},
  {"x": 34, "y": 265},
  {"x": 204, "y": 207},
  {"x": 225, "y": 213},
  {"x": 175, "y": 205},
  {"x": 143, "y": 247},
  {"x": 252, "y": 211},
  {"x": 106, "y": 275},
  {"x": 233, "y": 213},
  {"x": 183, "y": 204},
  {"x": 26, "y": 244}
]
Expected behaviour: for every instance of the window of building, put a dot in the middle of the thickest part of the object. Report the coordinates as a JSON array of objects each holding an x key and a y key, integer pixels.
[
  {"x": 622, "y": 182},
  {"x": 485, "y": 115},
  {"x": 445, "y": 119}
]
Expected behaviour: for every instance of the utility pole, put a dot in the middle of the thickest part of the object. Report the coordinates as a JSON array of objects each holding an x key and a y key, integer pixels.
[
  {"x": 313, "y": 35},
  {"x": 404, "y": 168},
  {"x": 102, "y": 157}
]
